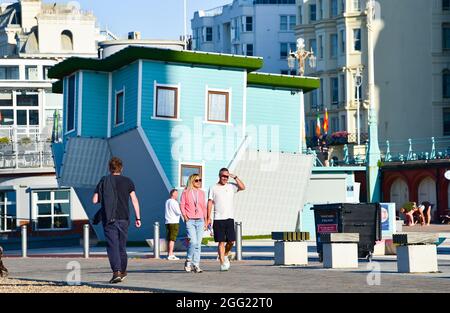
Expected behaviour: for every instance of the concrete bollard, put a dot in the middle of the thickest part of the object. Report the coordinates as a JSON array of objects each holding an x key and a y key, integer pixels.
[
  {"x": 86, "y": 241},
  {"x": 24, "y": 240},
  {"x": 340, "y": 250},
  {"x": 239, "y": 241},
  {"x": 156, "y": 241}
]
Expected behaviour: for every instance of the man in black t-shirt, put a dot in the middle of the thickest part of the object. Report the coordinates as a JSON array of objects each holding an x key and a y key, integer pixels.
[{"x": 113, "y": 192}]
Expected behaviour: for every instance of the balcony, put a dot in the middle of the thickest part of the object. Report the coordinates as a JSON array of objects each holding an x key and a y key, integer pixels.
[{"x": 24, "y": 148}]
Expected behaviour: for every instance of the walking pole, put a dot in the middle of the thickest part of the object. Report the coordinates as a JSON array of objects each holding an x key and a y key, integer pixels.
[
  {"x": 24, "y": 241},
  {"x": 239, "y": 241},
  {"x": 156, "y": 241},
  {"x": 86, "y": 241}
]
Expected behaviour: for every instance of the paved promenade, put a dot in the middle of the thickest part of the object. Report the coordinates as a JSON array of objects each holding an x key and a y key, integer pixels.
[{"x": 256, "y": 273}]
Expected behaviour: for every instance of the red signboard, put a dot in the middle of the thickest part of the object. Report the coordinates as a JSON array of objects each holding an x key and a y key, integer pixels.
[{"x": 327, "y": 228}]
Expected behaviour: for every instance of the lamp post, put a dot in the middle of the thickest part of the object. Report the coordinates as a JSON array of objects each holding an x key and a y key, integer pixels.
[
  {"x": 358, "y": 82},
  {"x": 374, "y": 156},
  {"x": 301, "y": 55}
]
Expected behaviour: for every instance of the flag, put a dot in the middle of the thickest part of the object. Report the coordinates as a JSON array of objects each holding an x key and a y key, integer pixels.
[
  {"x": 325, "y": 122},
  {"x": 318, "y": 131}
]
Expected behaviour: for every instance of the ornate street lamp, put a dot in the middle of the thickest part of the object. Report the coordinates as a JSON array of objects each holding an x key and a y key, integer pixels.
[
  {"x": 373, "y": 151},
  {"x": 301, "y": 55}
]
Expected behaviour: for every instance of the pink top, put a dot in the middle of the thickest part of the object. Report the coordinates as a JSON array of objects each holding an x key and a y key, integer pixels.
[{"x": 193, "y": 203}]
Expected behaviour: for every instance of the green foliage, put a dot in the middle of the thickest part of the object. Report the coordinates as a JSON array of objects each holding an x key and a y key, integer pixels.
[{"x": 4, "y": 140}]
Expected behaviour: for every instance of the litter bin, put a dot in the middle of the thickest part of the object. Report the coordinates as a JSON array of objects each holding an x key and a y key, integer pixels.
[{"x": 362, "y": 218}]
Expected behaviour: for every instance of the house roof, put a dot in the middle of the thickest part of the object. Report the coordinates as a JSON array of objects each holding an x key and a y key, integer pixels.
[
  {"x": 133, "y": 53},
  {"x": 306, "y": 84}
]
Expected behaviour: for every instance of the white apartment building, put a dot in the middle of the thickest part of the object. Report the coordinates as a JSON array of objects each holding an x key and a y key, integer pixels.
[
  {"x": 34, "y": 36},
  {"x": 412, "y": 65},
  {"x": 264, "y": 28}
]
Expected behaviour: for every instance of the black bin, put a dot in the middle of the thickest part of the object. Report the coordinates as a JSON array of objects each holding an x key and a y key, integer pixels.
[{"x": 361, "y": 218}]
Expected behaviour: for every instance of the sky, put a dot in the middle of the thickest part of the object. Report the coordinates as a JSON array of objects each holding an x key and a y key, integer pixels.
[{"x": 155, "y": 19}]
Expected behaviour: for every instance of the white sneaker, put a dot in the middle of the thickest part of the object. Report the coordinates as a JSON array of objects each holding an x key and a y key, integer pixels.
[
  {"x": 227, "y": 263},
  {"x": 172, "y": 258},
  {"x": 187, "y": 266},
  {"x": 223, "y": 267},
  {"x": 197, "y": 269}
]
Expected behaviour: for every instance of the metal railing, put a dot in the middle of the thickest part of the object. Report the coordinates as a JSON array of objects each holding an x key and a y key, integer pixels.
[
  {"x": 26, "y": 155},
  {"x": 422, "y": 149}
]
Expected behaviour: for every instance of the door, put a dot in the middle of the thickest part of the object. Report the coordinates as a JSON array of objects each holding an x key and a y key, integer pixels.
[
  {"x": 399, "y": 193},
  {"x": 427, "y": 192}
]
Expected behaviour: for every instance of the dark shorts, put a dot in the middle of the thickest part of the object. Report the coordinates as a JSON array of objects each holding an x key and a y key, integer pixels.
[
  {"x": 224, "y": 230},
  {"x": 172, "y": 231}
]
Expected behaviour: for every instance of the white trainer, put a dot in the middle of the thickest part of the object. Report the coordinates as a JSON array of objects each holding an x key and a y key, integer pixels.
[{"x": 172, "y": 258}]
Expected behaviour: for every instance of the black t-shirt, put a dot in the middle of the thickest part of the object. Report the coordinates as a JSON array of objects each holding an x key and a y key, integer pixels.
[{"x": 124, "y": 187}]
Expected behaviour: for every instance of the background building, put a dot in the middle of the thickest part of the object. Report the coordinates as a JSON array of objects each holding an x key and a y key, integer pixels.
[
  {"x": 249, "y": 27},
  {"x": 34, "y": 36},
  {"x": 412, "y": 40}
]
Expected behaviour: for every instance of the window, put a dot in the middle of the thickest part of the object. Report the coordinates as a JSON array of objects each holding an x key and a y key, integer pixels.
[
  {"x": 343, "y": 41},
  {"x": 446, "y": 36},
  {"x": 313, "y": 46},
  {"x": 6, "y": 117},
  {"x": 286, "y": 48},
  {"x": 320, "y": 5},
  {"x": 218, "y": 33},
  {"x": 334, "y": 8},
  {"x": 300, "y": 15},
  {"x": 31, "y": 73},
  {"x": 209, "y": 34},
  {"x": 343, "y": 89},
  {"x": 9, "y": 72},
  {"x": 356, "y": 5},
  {"x": 289, "y": 72},
  {"x": 218, "y": 106},
  {"x": 320, "y": 47},
  {"x": 66, "y": 40},
  {"x": 71, "y": 104},
  {"x": 7, "y": 211},
  {"x": 333, "y": 45},
  {"x": 27, "y": 100},
  {"x": 314, "y": 103},
  {"x": 120, "y": 112},
  {"x": 343, "y": 6},
  {"x": 27, "y": 117},
  {"x": 187, "y": 170},
  {"x": 312, "y": 12},
  {"x": 357, "y": 39},
  {"x": 334, "y": 124},
  {"x": 249, "y": 49},
  {"x": 445, "y": 5},
  {"x": 166, "y": 102},
  {"x": 249, "y": 23},
  {"x": 446, "y": 84},
  {"x": 321, "y": 94},
  {"x": 53, "y": 209},
  {"x": 292, "y": 22},
  {"x": 6, "y": 100},
  {"x": 45, "y": 72},
  {"x": 283, "y": 22},
  {"x": 343, "y": 122},
  {"x": 334, "y": 82},
  {"x": 446, "y": 122},
  {"x": 361, "y": 97}
]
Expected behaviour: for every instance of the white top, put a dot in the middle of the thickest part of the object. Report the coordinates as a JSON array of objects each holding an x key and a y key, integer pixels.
[
  {"x": 223, "y": 196},
  {"x": 172, "y": 212}
]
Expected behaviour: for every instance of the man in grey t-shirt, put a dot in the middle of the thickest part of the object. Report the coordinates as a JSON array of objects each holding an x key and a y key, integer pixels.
[{"x": 221, "y": 196}]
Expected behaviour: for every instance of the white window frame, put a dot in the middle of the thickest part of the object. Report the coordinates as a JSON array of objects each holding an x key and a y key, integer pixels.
[
  {"x": 230, "y": 97},
  {"x": 155, "y": 99},
  {"x": 115, "y": 107},
  {"x": 52, "y": 203},
  {"x": 7, "y": 203},
  {"x": 191, "y": 164},
  {"x": 354, "y": 40},
  {"x": 74, "y": 104}
]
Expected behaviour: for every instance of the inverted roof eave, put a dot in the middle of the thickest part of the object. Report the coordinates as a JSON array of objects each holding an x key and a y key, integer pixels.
[
  {"x": 133, "y": 53},
  {"x": 306, "y": 84}
]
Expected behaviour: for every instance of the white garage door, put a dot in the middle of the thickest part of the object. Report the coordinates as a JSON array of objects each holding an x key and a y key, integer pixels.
[
  {"x": 399, "y": 193},
  {"x": 427, "y": 192}
]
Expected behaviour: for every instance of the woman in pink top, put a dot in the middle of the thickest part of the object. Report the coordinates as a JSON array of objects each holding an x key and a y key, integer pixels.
[{"x": 193, "y": 208}]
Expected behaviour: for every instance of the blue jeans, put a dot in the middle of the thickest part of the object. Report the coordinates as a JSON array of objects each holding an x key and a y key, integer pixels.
[
  {"x": 116, "y": 235},
  {"x": 195, "y": 229}
]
